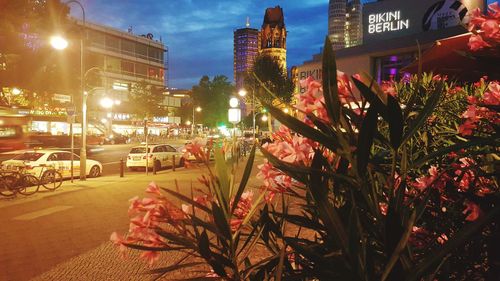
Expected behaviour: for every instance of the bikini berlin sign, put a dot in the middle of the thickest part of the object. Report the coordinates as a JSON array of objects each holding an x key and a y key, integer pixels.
[{"x": 387, "y": 21}]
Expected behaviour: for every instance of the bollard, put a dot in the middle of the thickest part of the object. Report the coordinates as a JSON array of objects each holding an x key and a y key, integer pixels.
[
  {"x": 121, "y": 167},
  {"x": 154, "y": 166},
  {"x": 173, "y": 163}
]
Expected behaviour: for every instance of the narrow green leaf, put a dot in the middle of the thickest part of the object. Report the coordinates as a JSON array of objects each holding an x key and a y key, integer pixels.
[
  {"x": 429, "y": 107},
  {"x": 365, "y": 140},
  {"x": 221, "y": 170},
  {"x": 221, "y": 221},
  {"x": 395, "y": 120},
  {"x": 204, "y": 246},
  {"x": 187, "y": 200},
  {"x": 279, "y": 267},
  {"x": 376, "y": 98},
  {"x": 244, "y": 178},
  {"x": 330, "y": 87},
  {"x": 318, "y": 188}
]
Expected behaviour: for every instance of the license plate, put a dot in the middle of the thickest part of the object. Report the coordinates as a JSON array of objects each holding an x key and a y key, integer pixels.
[{"x": 136, "y": 158}]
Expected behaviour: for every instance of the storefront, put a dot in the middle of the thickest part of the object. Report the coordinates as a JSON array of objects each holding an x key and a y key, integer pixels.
[{"x": 393, "y": 31}]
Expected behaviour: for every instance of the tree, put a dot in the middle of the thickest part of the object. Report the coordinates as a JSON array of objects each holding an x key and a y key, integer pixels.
[
  {"x": 213, "y": 98},
  {"x": 27, "y": 62},
  {"x": 145, "y": 100},
  {"x": 270, "y": 72}
]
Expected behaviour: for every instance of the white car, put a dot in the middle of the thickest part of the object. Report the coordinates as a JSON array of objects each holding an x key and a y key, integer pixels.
[
  {"x": 32, "y": 160},
  {"x": 159, "y": 155}
]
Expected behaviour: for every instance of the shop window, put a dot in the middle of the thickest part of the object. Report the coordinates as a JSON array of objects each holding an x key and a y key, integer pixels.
[{"x": 388, "y": 68}]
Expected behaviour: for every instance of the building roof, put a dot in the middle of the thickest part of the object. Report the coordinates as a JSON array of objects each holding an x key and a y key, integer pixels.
[{"x": 274, "y": 17}]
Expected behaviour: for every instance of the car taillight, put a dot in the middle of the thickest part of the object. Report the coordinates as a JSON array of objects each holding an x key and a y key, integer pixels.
[
  {"x": 150, "y": 156},
  {"x": 28, "y": 167}
]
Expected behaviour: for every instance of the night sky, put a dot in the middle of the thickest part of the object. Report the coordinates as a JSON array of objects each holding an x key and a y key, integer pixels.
[{"x": 199, "y": 33}]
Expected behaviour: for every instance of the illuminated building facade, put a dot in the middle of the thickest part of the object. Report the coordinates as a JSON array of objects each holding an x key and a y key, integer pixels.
[
  {"x": 273, "y": 35},
  {"x": 246, "y": 49},
  {"x": 345, "y": 23}
]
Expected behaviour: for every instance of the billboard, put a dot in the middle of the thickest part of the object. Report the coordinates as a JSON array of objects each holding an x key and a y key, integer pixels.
[{"x": 395, "y": 18}]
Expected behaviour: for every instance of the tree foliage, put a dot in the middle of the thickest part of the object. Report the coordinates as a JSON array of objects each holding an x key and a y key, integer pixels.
[
  {"x": 213, "y": 97},
  {"x": 145, "y": 100},
  {"x": 273, "y": 76}
]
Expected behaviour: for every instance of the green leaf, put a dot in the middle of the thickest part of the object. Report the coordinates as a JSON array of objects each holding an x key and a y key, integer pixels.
[
  {"x": 244, "y": 178},
  {"x": 395, "y": 120},
  {"x": 365, "y": 140},
  {"x": 318, "y": 188},
  {"x": 187, "y": 200},
  {"x": 204, "y": 246},
  {"x": 429, "y": 107},
  {"x": 221, "y": 221},
  {"x": 433, "y": 259},
  {"x": 221, "y": 170},
  {"x": 330, "y": 87},
  {"x": 376, "y": 97}
]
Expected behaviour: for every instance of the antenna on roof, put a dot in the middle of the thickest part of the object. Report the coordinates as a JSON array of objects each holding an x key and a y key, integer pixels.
[
  {"x": 248, "y": 22},
  {"x": 129, "y": 29}
]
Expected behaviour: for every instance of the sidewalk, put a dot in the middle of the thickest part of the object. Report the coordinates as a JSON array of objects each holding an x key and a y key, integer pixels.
[{"x": 104, "y": 261}]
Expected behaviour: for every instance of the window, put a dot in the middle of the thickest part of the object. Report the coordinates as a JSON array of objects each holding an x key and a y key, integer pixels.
[
  {"x": 94, "y": 59},
  {"x": 128, "y": 47},
  {"x": 141, "y": 69},
  {"x": 53, "y": 157},
  {"x": 96, "y": 39},
  {"x": 158, "y": 149},
  {"x": 112, "y": 43},
  {"x": 153, "y": 73},
  {"x": 127, "y": 67},
  {"x": 29, "y": 156},
  {"x": 141, "y": 51},
  {"x": 168, "y": 148},
  {"x": 10, "y": 132},
  {"x": 64, "y": 156},
  {"x": 113, "y": 64},
  {"x": 154, "y": 54}
]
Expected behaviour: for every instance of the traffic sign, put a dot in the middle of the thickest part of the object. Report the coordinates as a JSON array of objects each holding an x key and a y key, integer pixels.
[{"x": 70, "y": 110}]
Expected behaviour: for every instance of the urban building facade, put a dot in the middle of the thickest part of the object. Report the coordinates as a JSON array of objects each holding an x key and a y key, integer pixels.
[
  {"x": 345, "y": 23},
  {"x": 246, "y": 49},
  {"x": 273, "y": 35}
]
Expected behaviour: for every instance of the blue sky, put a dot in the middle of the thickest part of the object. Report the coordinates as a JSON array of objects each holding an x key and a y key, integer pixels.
[{"x": 199, "y": 33}]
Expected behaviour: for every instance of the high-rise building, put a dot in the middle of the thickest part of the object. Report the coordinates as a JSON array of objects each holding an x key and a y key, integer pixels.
[
  {"x": 354, "y": 27},
  {"x": 273, "y": 35},
  {"x": 246, "y": 49},
  {"x": 345, "y": 23}
]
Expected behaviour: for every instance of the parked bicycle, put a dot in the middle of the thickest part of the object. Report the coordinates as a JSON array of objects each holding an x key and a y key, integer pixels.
[
  {"x": 50, "y": 177},
  {"x": 13, "y": 182}
]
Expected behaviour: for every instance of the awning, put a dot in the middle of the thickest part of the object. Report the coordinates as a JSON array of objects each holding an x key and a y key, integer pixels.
[{"x": 451, "y": 56}]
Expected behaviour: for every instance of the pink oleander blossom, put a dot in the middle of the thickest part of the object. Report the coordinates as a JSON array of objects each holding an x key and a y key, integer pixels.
[
  {"x": 241, "y": 210},
  {"x": 153, "y": 188},
  {"x": 476, "y": 43},
  {"x": 492, "y": 95},
  {"x": 472, "y": 211}
]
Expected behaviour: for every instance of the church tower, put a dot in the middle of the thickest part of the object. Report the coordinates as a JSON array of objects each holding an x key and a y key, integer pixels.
[{"x": 273, "y": 35}]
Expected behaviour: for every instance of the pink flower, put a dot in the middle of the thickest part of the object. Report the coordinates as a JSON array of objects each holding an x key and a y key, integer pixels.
[
  {"x": 490, "y": 28},
  {"x": 472, "y": 211},
  {"x": 150, "y": 256},
  {"x": 442, "y": 239},
  {"x": 383, "y": 208},
  {"x": 153, "y": 188},
  {"x": 492, "y": 96},
  {"x": 476, "y": 43},
  {"x": 388, "y": 88}
]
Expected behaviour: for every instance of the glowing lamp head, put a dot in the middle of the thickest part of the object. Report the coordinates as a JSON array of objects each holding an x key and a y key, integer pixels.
[
  {"x": 233, "y": 102},
  {"x": 106, "y": 102},
  {"x": 242, "y": 93},
  {"x": 15, "y": 91},
  {"x": 188, "y": 123},
  {"x": 264, "y": 118},
  {"x": 198, "y": 109},
  {"x": 58, "y": 42}
]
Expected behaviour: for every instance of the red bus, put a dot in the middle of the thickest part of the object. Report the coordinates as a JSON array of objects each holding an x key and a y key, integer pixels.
[{"x": 12, "y": 130}]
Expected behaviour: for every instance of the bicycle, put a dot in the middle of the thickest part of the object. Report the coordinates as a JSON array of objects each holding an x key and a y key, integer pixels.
[
  {"x": 13, "y": 182},
  {"x": 51, "y": 178}
]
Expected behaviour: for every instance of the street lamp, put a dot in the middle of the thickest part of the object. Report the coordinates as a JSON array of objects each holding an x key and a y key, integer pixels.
[
  {"x": 60, "y": 43},
  {"x": 193, "y": 125},
  {"x": 243, "y": 93}
]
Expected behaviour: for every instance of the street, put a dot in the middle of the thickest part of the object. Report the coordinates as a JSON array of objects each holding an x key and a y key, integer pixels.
[
  {"x": 109, "y": 156},
  {"x": 48, "y": 229}
]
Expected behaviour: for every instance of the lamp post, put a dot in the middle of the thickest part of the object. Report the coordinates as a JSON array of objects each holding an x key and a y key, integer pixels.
[
  {"x": 193, "y": 125},
  {"x": 243, "y": 93},
  {"x": 58, "y": 42}
]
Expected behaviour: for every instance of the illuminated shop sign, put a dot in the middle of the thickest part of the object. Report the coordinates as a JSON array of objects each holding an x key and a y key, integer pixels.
[{"x": 387, "y": 21}]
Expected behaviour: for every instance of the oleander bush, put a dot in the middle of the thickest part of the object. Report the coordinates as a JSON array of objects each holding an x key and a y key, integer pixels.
[{"x": 397, "y": 181}]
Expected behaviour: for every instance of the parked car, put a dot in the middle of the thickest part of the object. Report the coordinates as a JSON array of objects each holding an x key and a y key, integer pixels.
[
  {"x": 159, "y": 155},
  {"x": 31, "y": 160}
]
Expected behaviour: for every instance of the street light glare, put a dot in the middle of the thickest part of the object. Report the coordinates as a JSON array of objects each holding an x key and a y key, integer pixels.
[
  {"x": 58, "y": 42},
  {"x": 106, "y": 102},
  {"x": 242, "y": 93},
  {"x": 16, "y": 91},
  {"x": 264, "y": 118},
  {"x": 198, "y": 109}
]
